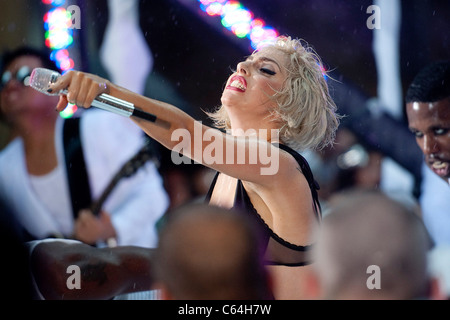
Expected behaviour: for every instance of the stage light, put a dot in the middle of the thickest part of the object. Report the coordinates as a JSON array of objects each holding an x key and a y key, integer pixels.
[
  {"x": 59, "y": 34},
  {"x": 57, "y": 22},
  {"x": 56, "y": 3},
  {"x": 240, "y": 21},
  {"x": 69, "y": 111},
  {"x": 215, "y": 9},
  {"x": 58, "y": 37}
]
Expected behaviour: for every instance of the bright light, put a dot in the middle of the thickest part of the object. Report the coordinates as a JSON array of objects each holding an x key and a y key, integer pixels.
[
  {"x": 215, "y": 9},
  {"x": 58, "y": 37},
  {"x": 68, "y": 111},
  {"x": 54, "y": 2},
  {"x": 239, "y": 20},
  {"x": 57, "y": 18}
]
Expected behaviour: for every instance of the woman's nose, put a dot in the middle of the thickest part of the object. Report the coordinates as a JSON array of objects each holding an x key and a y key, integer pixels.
[{"x": 242, "y": 68}]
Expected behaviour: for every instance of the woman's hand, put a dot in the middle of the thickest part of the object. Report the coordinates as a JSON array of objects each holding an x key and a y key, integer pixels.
[{"x": 82, "y": 88}]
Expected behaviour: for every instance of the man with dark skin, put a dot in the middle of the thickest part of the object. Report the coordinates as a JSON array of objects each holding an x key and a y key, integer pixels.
[
  {"x": 428, "y": 112},
  {"x": 104, "y": 272}
]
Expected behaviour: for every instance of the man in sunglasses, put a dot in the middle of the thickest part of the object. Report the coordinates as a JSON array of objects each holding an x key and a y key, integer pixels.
[
  {"x": 16, "y": 98},
  {"x": 37, "y": 168}
]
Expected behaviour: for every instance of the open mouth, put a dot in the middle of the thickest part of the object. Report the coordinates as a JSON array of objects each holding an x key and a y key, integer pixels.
[
  {"x": 441, "y": 168},
  {"x": 237, "y": 83}
]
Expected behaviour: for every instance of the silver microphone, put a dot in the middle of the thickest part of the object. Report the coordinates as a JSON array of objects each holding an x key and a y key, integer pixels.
[{"x": 41, "y": 79}]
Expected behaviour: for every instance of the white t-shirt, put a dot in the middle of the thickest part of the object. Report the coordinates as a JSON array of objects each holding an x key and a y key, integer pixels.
[
  {"x": 435, "y": 203},
  {"x": 54, "y": 194}
]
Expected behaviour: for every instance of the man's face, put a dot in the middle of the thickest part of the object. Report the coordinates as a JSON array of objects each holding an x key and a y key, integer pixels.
[
  {"x": 430, "y": 123},
  {"x": 21, "y": 104}
]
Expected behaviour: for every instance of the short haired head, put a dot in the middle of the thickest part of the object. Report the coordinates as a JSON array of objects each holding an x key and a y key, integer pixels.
[
  {"x": 304, "y": 105},
  {"x": 207, "y": 253},
  {"x": 431, "y": 84},
  {"x": 364, "y": 230}
]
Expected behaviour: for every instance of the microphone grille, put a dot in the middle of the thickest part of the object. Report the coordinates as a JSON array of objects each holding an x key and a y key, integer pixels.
[{"x": 41, "y": 79}]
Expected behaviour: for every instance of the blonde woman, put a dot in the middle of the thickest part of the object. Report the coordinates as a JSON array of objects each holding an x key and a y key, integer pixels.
[{"x": 276, "y": 102}]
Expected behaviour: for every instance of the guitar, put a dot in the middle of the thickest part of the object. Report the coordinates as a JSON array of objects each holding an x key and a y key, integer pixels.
[{"x": 146, "y": 153}]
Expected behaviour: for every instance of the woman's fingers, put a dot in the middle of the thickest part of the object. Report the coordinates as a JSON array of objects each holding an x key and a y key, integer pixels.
[
  {"x": 73, "y": 88},
  {"x": 93, "y": 91},
  {"x": 82, "y": 99},
  {"x": 62, "y": 103},
  {"x": 82, "y": 88},
  {"x": 62, "y": 82}
]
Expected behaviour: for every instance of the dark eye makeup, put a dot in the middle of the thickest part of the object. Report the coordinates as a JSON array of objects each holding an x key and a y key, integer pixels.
[{"x": 268, "y": 71}]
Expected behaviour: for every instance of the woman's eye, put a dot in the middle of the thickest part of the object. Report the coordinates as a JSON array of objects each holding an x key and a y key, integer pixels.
[{"x": 268, "y": 71}]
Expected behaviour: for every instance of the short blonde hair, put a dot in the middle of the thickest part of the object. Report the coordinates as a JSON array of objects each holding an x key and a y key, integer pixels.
[{"x": 304, "y": 105}]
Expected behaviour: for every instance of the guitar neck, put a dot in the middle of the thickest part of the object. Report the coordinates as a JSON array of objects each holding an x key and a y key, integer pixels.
[
  {"x": 96, "y": 207},
  {"x": 128, "y": 169}
]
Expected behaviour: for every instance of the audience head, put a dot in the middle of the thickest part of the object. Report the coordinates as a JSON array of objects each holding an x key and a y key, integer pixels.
[
  {"x": 42, "y": 55},
  {"x": 428, "y": 112},
  {"x": 371, "y": 247},
  {"x": 209, "y": 253}
]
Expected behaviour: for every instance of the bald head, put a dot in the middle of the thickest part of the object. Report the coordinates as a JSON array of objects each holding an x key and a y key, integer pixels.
[
  {"x": 367, "y": 232},
  {"x": 206, "y": 252}
]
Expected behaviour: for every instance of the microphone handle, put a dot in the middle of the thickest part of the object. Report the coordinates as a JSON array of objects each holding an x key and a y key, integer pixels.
[{"x": 124, "y": 108}]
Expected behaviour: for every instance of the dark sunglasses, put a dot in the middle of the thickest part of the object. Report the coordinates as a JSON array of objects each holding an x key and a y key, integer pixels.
[{"x": 21, "y": 75}]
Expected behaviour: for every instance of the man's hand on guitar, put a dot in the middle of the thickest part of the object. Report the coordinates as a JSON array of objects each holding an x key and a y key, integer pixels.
[{"x": 90, "y": 229}]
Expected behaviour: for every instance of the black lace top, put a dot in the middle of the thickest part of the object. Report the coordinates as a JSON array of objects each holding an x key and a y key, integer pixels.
[{"x": 278, "y": 250}]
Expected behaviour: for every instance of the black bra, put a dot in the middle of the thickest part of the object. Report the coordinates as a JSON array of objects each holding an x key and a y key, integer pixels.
[{"x": 278, "y": 251}]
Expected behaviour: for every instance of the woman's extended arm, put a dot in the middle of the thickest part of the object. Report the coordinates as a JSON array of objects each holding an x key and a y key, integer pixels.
[{"x": 201, "y": 143}]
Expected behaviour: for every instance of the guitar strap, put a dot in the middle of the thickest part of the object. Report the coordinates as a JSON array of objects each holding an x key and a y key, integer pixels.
[{"x": 79, "y": 188}]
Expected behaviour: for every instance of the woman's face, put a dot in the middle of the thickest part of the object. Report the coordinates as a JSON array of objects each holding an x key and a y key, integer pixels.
[{"x": 256, "y": 79}]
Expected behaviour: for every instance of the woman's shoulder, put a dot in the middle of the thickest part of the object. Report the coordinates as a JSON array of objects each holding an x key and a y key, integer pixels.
[
  {"x": 289, "y": 161},
  {"x": 300, "y": 162}
]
